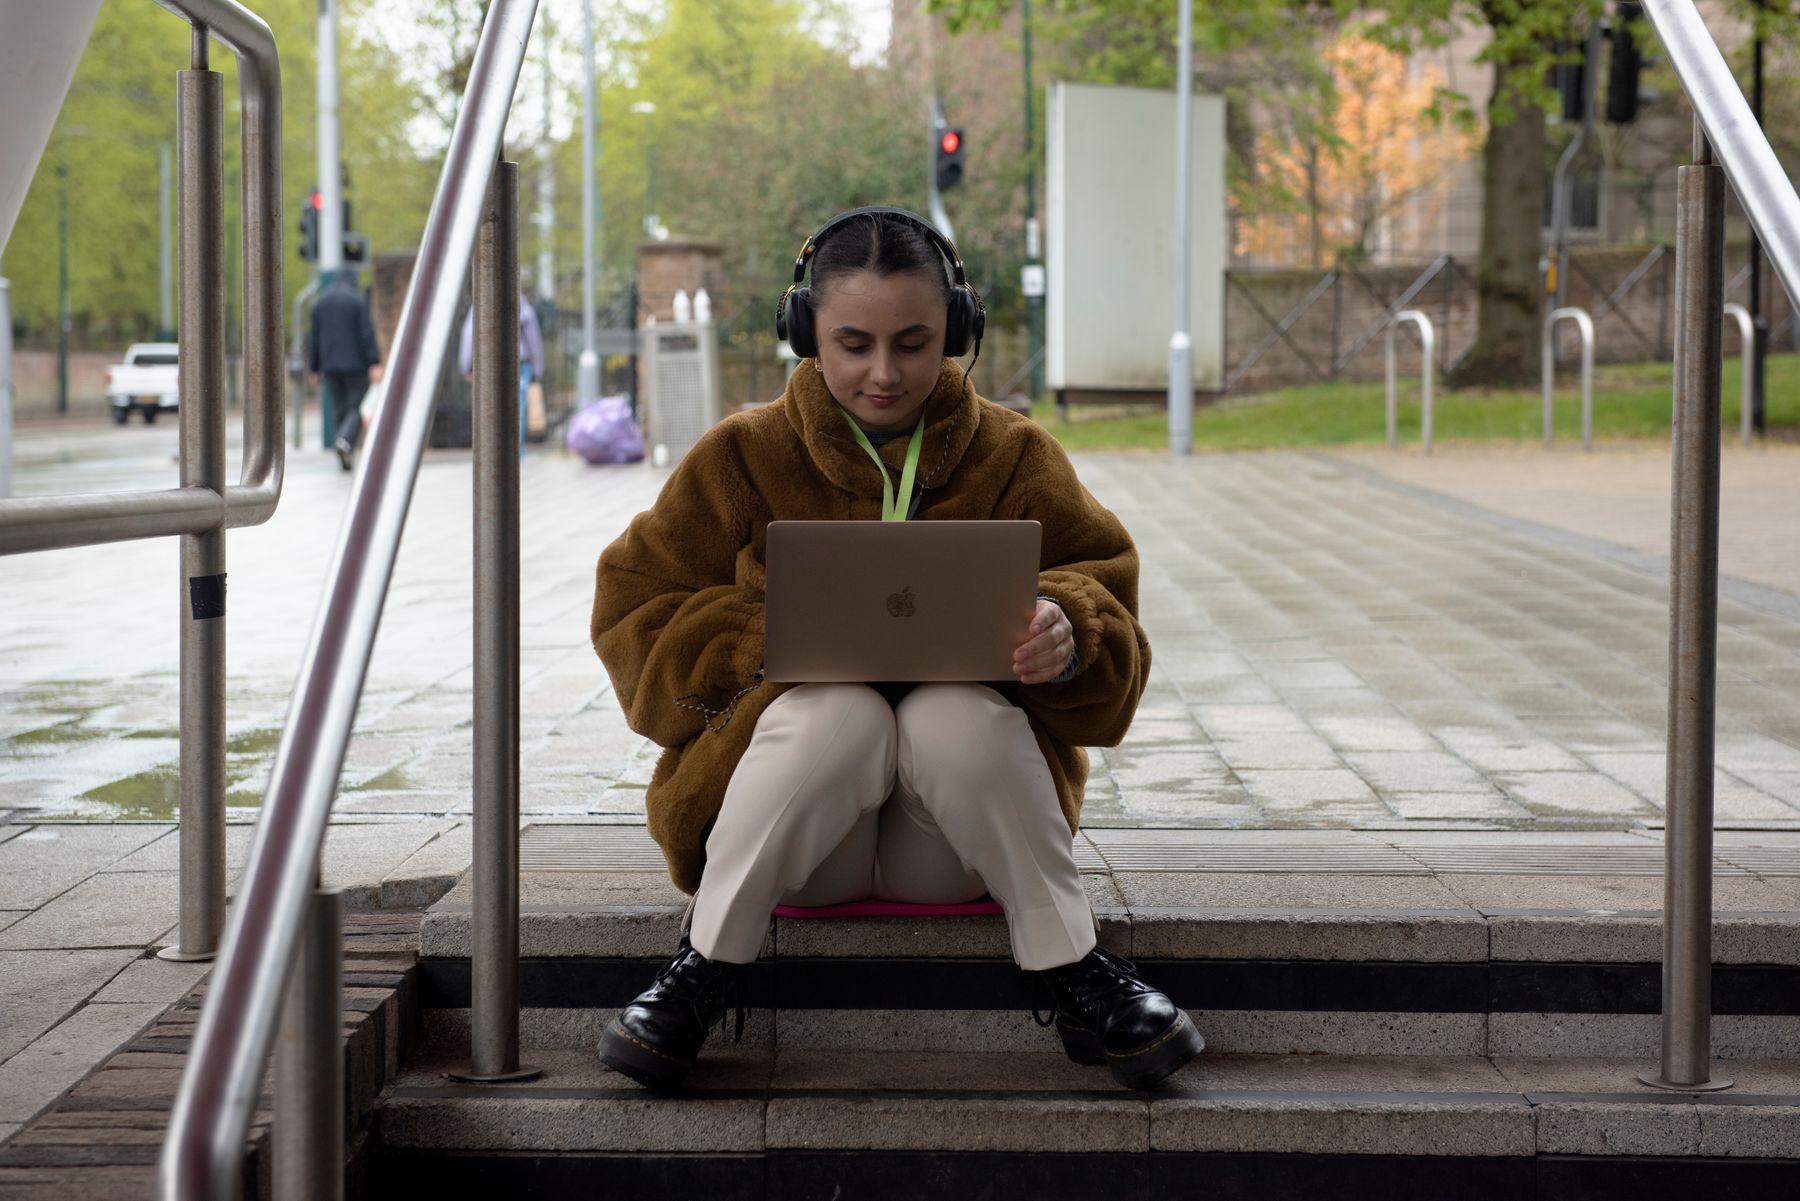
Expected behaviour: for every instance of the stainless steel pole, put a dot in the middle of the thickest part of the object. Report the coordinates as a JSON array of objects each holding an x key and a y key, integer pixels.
[
  {"x": 165, "y": 259},
  {"x": 494, "y": 959},
  {"x": 6, "y": 389},
  {"x": 1693, "y": 627},
  {"x": 201, "y": 118},
  {"x": 587, "y": 367},
  {"x": 1181, "y": 349},
  {"x": 309, "y": 1061},
  {"x": 331, "y": 183}
]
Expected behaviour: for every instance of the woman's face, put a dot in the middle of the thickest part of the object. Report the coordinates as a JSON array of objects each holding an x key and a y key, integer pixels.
[{"x": 881, "y": 342}]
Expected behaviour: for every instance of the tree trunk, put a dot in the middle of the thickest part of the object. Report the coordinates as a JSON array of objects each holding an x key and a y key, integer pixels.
[{"x": 1509, "y": 290}]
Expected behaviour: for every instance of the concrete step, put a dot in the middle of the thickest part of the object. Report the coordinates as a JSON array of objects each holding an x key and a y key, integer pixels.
[
  {"x": 1334, "y": 944},
  {"x": 802, "y": 1124}
]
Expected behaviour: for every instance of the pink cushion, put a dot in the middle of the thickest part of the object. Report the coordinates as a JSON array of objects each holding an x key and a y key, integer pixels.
[{"x": 979, "y": 908}]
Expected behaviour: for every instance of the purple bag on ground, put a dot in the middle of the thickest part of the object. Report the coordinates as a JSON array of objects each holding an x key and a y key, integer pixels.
[{"x": 602, "y": 431}]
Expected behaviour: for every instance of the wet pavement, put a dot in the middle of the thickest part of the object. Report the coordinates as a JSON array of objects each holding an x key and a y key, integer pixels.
[{"x": 1351, "y": 641}]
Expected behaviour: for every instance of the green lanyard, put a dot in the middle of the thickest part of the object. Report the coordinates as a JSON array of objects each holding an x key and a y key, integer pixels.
[{"x": 891, "y": 509}]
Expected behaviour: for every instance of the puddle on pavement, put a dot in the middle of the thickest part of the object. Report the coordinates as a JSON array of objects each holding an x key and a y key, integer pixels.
[
  {"x": 153, "y": 794},
  {"x": 391, "y": 780},
  {"x": 253, "y": 742},
  {"x": 68, "y": 731}
]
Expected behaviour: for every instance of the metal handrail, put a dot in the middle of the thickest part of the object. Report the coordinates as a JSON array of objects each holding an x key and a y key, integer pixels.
[
  {"x": 1742, "y": 148},
  {"x": 85, "y": 519},
  {"x": 1585, "y": 324},
  {"x": 1427, "y": 347},
  {"x": 1728, "y": 144},
  {"x": 1747, "y": 381},
  {"x": 205, "y": 1142}
]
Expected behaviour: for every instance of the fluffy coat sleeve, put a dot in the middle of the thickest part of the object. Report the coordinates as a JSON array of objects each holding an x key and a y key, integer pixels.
[
  {"x": 679, "y": 635},
  {"x": 1089, "y": 567}
]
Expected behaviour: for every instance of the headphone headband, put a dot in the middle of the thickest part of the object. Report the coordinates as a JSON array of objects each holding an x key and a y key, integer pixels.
[{"x": 944, "y": 245}]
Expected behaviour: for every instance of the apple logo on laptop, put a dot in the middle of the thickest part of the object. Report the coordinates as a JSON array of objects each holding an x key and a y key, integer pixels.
[{"x": 900, "y": 604}]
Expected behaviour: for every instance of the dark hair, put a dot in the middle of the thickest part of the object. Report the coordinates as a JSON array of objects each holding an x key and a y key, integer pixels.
[{"x": 882, "y": 243}]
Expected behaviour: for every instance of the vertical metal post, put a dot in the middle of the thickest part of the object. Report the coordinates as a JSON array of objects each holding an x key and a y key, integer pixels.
[
  {"x": 62, "y": 284},
  {"x": 202, "y": 388},
  {"x": 6, "y": 389},
  {"x": 1181, "y": 348},
  {"x": 1693, "y": 628},
  {"x": 587, "y": 367},
  {"x": 1757, "y": 353},
  {"x": 309, "y": 1061},
  {"x": 331, "y": 184},
  {"x": 1747, "y": 333},
  {"x": 1034, "y": 305},
  {"x": 494, "y": 993},
  {"x": 165, "y": 259},
  {"x": 1337, "y": 317}
]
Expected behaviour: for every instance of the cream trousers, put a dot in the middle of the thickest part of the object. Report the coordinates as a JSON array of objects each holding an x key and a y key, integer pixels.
[{"x": 840, "y": 797}]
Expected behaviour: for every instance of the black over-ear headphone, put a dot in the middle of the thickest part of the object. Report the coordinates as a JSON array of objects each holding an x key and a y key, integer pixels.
[{"x": 964, "y": 323}]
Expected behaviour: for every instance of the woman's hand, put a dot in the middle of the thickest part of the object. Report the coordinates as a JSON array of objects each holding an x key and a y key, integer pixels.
[{"x": 1043, "y": 657}]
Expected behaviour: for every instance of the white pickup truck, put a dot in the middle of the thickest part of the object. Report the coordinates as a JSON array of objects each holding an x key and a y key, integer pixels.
[{"x": 147, "y": 381}]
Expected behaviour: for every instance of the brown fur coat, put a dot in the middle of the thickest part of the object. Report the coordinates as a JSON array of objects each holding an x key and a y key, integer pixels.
[{"x": 678, "y": 597}]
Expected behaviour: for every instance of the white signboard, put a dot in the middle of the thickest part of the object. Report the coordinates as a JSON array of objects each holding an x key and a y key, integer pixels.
[
  {"x": 1031, "y": 279},
  {"x": 1111, "y": 252}
]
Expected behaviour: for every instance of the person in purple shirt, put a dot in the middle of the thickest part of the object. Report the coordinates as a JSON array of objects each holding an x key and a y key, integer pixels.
[{"x": 531, "y": 354}]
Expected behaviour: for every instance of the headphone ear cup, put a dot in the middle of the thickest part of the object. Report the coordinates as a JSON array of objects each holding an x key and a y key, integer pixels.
[
  {"x": 795, "y": 323},
  {"x": 962, "y": 325}
]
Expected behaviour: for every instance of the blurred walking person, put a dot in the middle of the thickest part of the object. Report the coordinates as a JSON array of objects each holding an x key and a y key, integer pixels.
[
  {"x": 531, "y": 355},
  {"x": 341, "y": 350}
]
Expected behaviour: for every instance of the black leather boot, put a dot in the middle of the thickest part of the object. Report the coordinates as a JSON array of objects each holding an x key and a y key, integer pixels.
[
  {"x": 657, "y": 1037},
  {"x": 1105, "y": 1014}
]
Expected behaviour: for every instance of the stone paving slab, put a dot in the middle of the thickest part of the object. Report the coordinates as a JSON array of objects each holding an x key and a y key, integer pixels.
[
  {"x": 110, "y": 909},
  {"x": 42, "y": 986},
  {"x": 53, "y": 1063}
]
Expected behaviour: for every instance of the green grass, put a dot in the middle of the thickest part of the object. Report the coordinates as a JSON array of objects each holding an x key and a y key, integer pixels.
[{"x": 1631, "y": 400}]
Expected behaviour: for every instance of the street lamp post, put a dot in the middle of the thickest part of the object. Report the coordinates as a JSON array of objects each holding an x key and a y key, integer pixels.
[
  {"x": 587, "y": 369},
  {"x": 646, "y": 108},
  {"x": 62, "y": 285},
  {"x": 1034, "y": 295}
]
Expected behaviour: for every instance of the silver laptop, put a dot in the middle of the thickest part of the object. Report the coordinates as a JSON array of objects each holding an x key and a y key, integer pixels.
[{"x": 868, "y": 601}]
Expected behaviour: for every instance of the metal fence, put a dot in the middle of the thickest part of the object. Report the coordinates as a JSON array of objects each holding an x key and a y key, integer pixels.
[{"x": 1284, "y": 328}]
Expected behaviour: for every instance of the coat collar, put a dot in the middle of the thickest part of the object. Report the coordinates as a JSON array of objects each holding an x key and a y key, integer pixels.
[{"x": 952, "y": 412}]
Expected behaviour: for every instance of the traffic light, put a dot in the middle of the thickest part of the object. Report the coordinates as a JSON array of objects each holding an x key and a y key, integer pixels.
[
  {"x": 1570, "y": 80},
  {"x": 947, "y": 158},
  {"x": 309, "y": 227},
  {"x": 1623, "y": 95}
]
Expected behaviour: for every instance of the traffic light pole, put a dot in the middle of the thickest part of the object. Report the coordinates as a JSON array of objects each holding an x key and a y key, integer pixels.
[
  {"x": 939, "y": 217},
  {"x": 331, "y": 188}
]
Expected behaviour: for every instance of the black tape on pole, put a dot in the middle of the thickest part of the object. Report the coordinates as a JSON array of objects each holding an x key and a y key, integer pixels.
[{"x": 206, "y": 596}]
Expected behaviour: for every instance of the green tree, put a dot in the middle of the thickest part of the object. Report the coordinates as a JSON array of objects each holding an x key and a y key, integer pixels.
[{"x": 1130, "y": 40}]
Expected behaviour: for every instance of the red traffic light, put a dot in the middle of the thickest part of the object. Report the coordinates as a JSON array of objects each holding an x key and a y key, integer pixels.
[
  {"x": 950, "y": 142},
  {"x": 318, "y": 199}
]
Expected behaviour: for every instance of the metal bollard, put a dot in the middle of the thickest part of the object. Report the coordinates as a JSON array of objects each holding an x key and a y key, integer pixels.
[
  {"x": 1747, "y": 386},
  {"x": 200, "y": 95},
  {"x": 308, "y": 1135},
  {"x": 1584, "y": 324},
  {"x": 1693, "y": 630},
  {"x": 494, "y": 957},
  {"x": 1427, "y": 344}
]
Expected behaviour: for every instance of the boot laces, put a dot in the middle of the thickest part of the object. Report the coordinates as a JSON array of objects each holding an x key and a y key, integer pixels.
[{"x": 685, "y": 974}]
